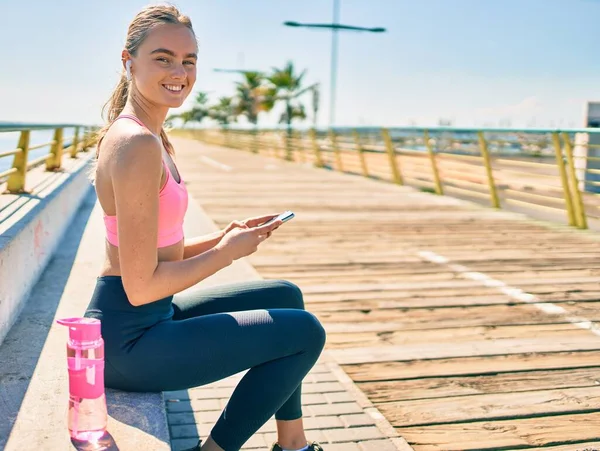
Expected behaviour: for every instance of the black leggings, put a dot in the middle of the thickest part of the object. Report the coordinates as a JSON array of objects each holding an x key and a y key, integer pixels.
[{"x": 193, "y": 339}]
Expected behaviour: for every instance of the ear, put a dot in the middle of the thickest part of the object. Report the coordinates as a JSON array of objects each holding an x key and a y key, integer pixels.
[{"x": 125, "y": 56}]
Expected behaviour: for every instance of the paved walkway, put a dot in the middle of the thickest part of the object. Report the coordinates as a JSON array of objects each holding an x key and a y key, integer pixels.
[{"x": 335, "y": 413}]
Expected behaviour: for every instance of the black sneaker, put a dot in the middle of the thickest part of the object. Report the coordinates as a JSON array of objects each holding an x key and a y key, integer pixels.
[{"x": 312, "y": 446}]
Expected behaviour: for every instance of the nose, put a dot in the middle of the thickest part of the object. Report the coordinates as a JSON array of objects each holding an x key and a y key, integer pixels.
[{"x": 178, "y": 72}]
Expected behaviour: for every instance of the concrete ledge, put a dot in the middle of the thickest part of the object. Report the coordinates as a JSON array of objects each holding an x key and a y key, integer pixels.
[
  {"x": 31, "y": 226},
  {"x": 33, "y": 375}
]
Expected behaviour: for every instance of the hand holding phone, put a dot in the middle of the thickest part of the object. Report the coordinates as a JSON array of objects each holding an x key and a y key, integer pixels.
[{"x": 285, "y": 216}]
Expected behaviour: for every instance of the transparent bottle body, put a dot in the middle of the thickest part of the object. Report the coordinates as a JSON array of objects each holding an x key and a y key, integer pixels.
[{"x": 87, "y": 416}]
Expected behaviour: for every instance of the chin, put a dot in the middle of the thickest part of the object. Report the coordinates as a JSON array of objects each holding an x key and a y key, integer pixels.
[
  {"x": 175, "y": 104},
  {"x": 171, "y": 103}
]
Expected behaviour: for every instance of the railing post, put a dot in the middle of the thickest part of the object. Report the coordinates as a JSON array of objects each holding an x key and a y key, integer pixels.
[
  {"x": 301, "y": 138},
  {"x": 56, "y": 150},
  {"x": 336, "y": 150},
  {"x": 85, "y": 139},
  {"x": 287, "y": 151},
  {"x": 75, "y": 144},
  {"x": 224, "y": 136},
  {"x": 317, "y": 151},
  {"x": 361, "y": 154},
  {"x": 578, "y": 199},
  {"x": 255, "y": 140},
  {"x": 436, "y": 175},
  {"x": 563, "y": 178},
  {"x": 394, "y": 165},
  {"x": 485, "y": 154},
  {"x": 292, "y": 148},
  {"x": 16, "y": 181}
]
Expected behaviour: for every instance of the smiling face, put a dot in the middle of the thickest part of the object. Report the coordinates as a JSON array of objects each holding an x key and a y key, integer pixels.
[{"x": 164, "y": 67}]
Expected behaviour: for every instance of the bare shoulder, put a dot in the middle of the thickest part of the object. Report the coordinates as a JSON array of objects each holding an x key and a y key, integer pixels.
[{"x": 132, "y": 147}]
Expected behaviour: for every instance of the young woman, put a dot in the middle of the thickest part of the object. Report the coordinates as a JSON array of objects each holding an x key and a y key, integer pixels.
[{"x": 155, "y": 338}]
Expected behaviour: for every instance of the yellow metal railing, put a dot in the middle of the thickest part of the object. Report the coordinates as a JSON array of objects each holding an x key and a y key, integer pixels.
[
  {"x": 535, "y": 168},
  {"x": 15, "y": 176}
]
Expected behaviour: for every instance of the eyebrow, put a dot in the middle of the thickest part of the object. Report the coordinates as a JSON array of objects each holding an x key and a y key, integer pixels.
[{"x": 172, "y": 53}]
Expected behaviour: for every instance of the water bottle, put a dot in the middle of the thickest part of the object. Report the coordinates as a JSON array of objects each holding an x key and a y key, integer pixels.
[{"x": 85, "y": 363}]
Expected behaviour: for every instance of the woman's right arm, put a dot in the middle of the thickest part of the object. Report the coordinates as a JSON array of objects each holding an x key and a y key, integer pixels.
[{"x": 136, "y": 175}]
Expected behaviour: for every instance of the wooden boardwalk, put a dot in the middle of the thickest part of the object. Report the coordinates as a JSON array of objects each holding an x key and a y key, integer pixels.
[{"x": 468, "y": 328}]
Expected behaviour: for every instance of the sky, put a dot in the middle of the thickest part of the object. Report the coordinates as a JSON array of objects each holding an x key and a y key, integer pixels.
[{"x": 474, "y": 62}]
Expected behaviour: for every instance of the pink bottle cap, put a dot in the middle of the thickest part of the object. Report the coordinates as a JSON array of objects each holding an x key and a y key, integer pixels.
[{"x": 82, "y": 329}]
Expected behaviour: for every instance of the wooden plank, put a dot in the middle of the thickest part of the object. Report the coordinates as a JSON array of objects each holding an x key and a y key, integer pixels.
[
  {"x": 481, "y": 348},
  {"x": 506, "y": 434},
  {"x": 377, "y": 287},
  {"x": 449, "y": 297},
  {"x": 436, "y": 387},
  {"x": 454, "y": 335},
  {"x": 587, "y": 446},
  {"x": 418, "y": 272},
  {"x": 472, "y": 366},
  {"x": 406, "y": 303},
  {"x": 394, "y": 301},
  {"x": 415, "y": 319},
  {"x": 432, "y": 292}
]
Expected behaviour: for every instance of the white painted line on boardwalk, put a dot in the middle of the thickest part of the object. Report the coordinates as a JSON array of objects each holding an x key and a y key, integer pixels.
[
  {"x": 513, "y": 292},
  {"x": 215, "y": 163}
]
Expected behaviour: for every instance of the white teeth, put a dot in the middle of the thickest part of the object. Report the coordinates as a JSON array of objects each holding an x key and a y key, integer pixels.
[{"x": 174, "y": 88}]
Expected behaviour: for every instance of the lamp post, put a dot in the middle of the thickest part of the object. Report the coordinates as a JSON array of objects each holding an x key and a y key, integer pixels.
[
  {"x": 233, "y": 71},
  {"x": 335, "y": 27}
]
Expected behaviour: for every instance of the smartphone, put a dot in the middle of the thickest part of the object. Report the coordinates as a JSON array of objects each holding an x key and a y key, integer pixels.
[{"x": 285, "y": 216}]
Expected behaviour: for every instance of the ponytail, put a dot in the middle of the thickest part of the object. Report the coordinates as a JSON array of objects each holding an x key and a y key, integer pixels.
[
  {"x": 166, "y": 143},
  {"x": 113, "y": 107}
]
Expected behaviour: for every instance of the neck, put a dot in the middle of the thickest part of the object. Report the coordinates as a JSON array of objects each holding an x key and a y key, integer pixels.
[{"x": 153, "y": 116}]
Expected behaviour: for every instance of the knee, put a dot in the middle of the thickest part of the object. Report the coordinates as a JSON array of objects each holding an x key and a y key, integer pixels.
[
  {"x": 315, "y": 334},
  {"x": 292, "y": 294}
]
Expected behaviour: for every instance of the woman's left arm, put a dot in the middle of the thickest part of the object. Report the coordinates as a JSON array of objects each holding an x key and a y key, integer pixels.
[
  {"x": 199, "y": 244},
  {"x": 203, "y": 243}
]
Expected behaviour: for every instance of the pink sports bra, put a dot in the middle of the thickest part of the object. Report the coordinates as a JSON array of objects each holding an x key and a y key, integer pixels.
[{"x": 172, "y": 206}]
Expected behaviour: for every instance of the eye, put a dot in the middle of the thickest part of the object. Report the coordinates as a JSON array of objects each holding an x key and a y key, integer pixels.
[
  {"x": 192, "y": 63},
  {"x": 161, "y": 58}
]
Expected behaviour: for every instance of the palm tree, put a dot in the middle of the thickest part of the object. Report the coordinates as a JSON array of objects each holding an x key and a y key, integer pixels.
[
  {"x": 200, "y": 110},
  {"x": 287, "y": 86},
  {"x": 196, "y": 114},
  {"x": 224, "y": 112},
  {"x": 252, "y": 96}
]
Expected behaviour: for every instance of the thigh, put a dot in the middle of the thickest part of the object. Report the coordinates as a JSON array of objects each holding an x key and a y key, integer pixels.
[
  {"x": 181, "y": 354},
  {"x": 235, "y": 297}
]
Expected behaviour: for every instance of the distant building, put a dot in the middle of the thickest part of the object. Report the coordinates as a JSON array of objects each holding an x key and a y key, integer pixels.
[
  {"x": 588, "y": 181},
  {"x": 592, "y": 118}
]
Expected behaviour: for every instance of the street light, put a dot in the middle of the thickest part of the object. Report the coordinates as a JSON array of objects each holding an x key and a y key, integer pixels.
[
  {"x": 335, "y": 27},
  {"x": 237, "y": 71}
]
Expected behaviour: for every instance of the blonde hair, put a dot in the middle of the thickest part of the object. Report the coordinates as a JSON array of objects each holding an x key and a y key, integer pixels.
[{"x": 139, "y": 28}]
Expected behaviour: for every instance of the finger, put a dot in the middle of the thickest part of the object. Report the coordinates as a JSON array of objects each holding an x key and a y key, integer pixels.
[
  {"x": 254, "y": 222},
  {"x": 268, "y": 228}
]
